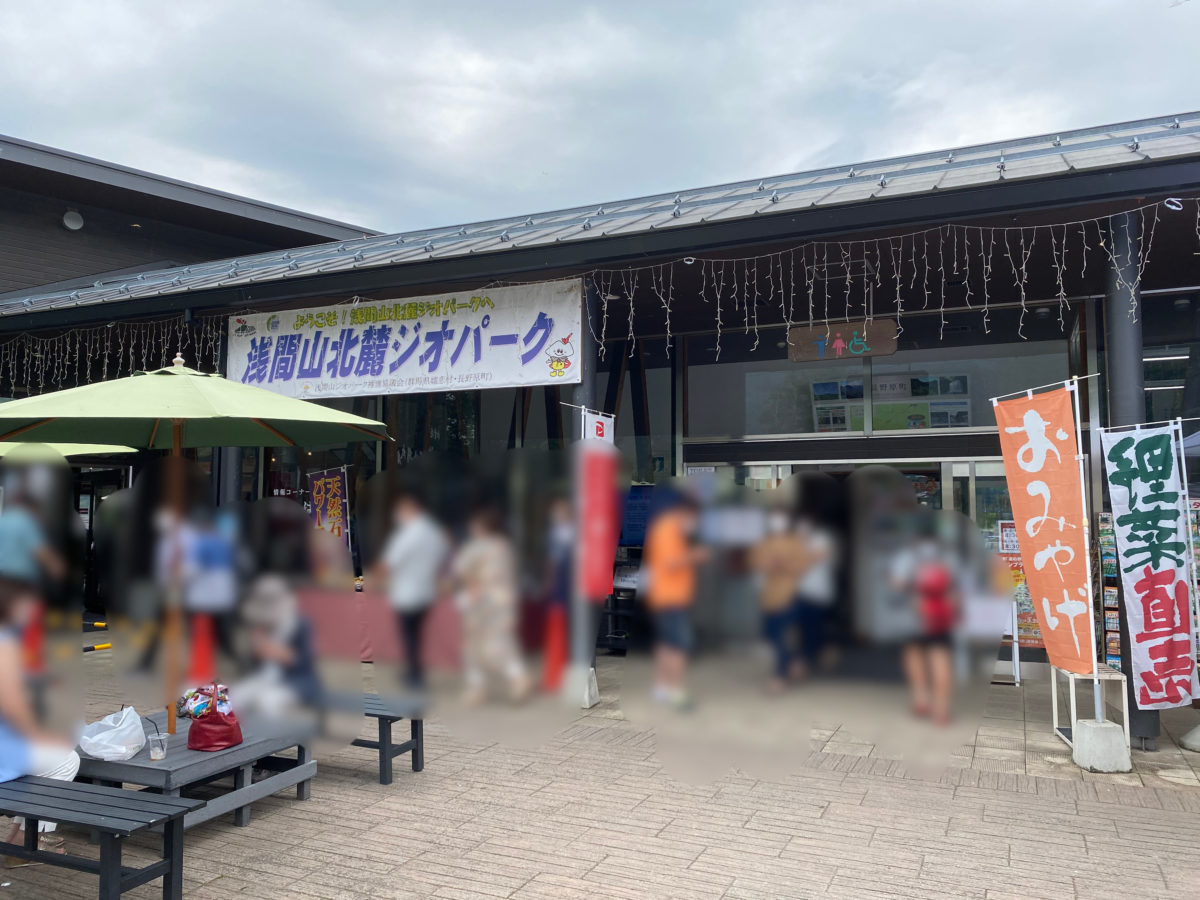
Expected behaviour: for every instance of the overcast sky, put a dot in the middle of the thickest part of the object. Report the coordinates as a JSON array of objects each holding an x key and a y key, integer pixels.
[{"x": 408, "y": 115}]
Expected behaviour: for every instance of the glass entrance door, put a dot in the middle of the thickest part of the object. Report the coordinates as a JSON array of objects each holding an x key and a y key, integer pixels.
[
  {"x": 991, "y": 501},
  {"x": 975, "y": 488}
]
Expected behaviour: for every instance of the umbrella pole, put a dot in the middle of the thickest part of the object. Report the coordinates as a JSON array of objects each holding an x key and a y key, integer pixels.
[{"x": 173, "y": 630}]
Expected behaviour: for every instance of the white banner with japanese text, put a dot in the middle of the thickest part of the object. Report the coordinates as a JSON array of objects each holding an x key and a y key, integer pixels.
[
  {"x": 1145, "y": 486},
  {"x": 505, "y": 337}
]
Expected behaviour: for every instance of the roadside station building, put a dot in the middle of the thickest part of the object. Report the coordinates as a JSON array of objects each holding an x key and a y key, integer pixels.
[{"x": 863, "y": 313}]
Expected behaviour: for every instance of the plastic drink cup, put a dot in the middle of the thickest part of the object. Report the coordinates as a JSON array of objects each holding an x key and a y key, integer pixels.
[{"x": 158, "y": 746}]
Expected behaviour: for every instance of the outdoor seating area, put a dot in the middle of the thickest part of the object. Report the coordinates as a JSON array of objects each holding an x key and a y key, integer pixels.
[
  {"x": 593, "y": 814},
  {"x": 283, "y": 757}
]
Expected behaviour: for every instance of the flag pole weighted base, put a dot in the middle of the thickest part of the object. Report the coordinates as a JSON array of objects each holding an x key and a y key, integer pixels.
[
  {"x": 580, "y": 686},
  {"x": 1100, "y": 747}
]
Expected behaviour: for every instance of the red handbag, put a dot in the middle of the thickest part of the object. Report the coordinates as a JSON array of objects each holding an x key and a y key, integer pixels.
[{"x": 214, "y": 730}]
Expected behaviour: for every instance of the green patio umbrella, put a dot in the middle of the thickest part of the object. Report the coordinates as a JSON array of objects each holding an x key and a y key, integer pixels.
[
  {"x": 177, "y": 407},
  {"x": 66, "y": 450},
  {"x": 173, "y": 408}
]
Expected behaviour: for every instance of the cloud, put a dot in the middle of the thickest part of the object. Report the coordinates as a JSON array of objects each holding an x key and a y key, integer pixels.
[{"x": 399, "y": 116}]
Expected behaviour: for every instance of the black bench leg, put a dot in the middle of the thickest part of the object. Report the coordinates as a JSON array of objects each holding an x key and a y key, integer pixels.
[
  {"x": 304, "y": 788},
  {"x": 31, "y": 833},
  {"x": 110, "y": 867},
  {"x": 242, "y": 779},
  {"x": 385, "y": 751},
  {"x": 418, "y": 750},
  {"x": 172, "y": 886}
]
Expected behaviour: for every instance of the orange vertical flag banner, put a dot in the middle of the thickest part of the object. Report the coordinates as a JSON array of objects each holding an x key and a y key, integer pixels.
[{"x": 1037, "y": 438}]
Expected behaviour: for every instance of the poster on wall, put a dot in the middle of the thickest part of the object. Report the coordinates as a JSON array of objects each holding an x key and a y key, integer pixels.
[
  {"x": 505, "y": 337},
  {"x": 1028, "y": 632},
  {"x": 1037, "y": 439},
  {"x": 329, "y": 502},
  {"x": 1149, "y": 507}
]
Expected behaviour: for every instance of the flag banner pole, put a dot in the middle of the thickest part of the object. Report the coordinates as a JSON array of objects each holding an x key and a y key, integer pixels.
[
  {"x": 1098, "y": 695},
  {"x": 1181, "y": 459},
  {"x": 1029, "y": 392},
  {"x": 596, "y": 412},
  {"x": 1152, "y": 424}
]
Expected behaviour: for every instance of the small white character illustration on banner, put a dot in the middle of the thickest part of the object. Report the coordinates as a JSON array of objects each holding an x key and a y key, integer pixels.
[{"x": 560, "y": 354}]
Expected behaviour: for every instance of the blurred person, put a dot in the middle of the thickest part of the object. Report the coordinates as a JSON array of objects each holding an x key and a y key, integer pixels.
[
  {"x": 210, "y": 578},
  {"x": 169, "y": 557},
  {"x": 558, "y": 589},
  {"x": 283, "y": 662},
  {"x": 484, "y": 573},
  {"x": 413, "y": 562},
  {"x": 27, "y": 557},
  {"x": 331, "y": 563},
  {"x": 816, "y": 590},
  {"x": 778, "y": 561},
  {"x": 925, "y": 573},
  {"x": 25, "y": 747},
  {"x": 199, "y": 560},
  {"x": 560, "y": 551},
  {"x": 670, "y": 559}
]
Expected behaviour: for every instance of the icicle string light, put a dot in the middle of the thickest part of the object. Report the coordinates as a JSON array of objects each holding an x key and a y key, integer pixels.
[
  {"x": 912, "y": 264},
  {"x": 32, "y": 363}
]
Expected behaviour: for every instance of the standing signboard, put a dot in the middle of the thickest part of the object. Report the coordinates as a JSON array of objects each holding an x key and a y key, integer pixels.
[
  {"x": 1044, "y": 473},
  {"x": 1028, "y": 634},
  {"x": 1146, "y": 485},
  {"x": 506, "y": 337},
  {"x": 329, "y": 504}
]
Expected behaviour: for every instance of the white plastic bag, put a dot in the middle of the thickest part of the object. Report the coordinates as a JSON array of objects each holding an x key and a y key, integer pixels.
[{"x": 115, "y": 737}]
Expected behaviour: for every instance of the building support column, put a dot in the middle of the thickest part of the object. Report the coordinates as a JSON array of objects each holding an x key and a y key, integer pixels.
[
  {"x": 1126, "y": 397},
  {"x": 584, "y": 393},
  {"x": 229, "y": 468}
]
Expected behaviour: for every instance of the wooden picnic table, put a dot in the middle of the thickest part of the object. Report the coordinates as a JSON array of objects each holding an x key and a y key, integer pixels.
[{"x": 184, "y": 769}]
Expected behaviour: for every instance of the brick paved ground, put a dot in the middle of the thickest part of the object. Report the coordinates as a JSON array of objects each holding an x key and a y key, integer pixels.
[{"x": 592, "y": 814}]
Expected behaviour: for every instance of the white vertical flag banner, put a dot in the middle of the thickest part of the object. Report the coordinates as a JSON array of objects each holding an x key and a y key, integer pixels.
[
  {"x": 597, "y": 427},
  {"x": 1145, "y": 485}
]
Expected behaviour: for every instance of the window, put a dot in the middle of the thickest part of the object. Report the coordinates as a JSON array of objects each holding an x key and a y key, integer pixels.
[
  {"x": 952, "y": 388},
  {"x": 761, "y": 392}
]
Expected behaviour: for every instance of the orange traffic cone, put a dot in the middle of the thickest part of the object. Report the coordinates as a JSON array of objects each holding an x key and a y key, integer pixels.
[
  {"x": 33, "y": 643},
  {"x": 202, "y": 665},
  {"x": 554, "y": 649}
]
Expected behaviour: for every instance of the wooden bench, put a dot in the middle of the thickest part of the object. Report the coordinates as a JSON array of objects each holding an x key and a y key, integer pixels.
[
  {"x": 387, "y": 713},
  {"x": 114, "y": 814}
]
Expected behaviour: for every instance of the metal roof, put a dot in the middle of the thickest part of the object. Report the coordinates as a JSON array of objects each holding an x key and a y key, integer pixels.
[
  {"x": 1105, "y": 147},
  {"x": 32, "y": 160}
]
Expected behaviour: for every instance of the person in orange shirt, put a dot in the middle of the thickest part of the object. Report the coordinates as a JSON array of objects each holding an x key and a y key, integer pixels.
[{"x": 670, "y": 559}]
